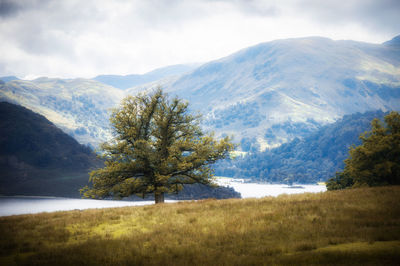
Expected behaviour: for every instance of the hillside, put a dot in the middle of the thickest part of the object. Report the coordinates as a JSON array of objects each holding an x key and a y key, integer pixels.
[
  {"x": 37, "y": 158},
  {"x": 8, "y": 78},
  {"x": 348, "y": 227},
  {"x": 271, "y": 93},
  {"x": 128, "y": 81},
  {"x": 80, "y": 107},
  {"x": 309, "y": 160}
]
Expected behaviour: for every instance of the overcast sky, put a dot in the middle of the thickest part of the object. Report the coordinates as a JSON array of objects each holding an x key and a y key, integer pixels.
[{"x": 73, "y": 38}]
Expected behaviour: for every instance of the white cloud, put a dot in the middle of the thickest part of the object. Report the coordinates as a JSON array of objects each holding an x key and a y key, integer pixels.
[{"x": 70, "y": 38}]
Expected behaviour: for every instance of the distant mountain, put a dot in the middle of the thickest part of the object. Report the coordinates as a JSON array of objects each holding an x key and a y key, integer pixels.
[
  {"x": 395, "y": 42},
  {"x": 8, "y": 78},
  {"x": 315, "y": 158},
  {"x": 128, "y": 81},
  {"x": 37, "y": 158},
  {"x": 271, "y": 93},
  {"x": 80, "y": 107},
  {"x": 265, "y": 95}
]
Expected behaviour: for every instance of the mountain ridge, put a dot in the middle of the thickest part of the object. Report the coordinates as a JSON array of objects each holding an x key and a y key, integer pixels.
[
  {"x": 395, "y": 42},
  {"x": 291, "y": 81},
  {"x": 264, "y": 95},
  {"x": 131, "y": 80}
]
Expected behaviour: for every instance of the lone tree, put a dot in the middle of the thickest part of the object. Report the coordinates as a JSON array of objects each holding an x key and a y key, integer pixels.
[
  {"x": 376, "y": 161},
  {"x": 158, "y": 147}
]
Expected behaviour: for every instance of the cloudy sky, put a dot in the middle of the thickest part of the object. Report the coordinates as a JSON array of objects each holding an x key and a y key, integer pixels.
[{"x": 72, "y": 38}]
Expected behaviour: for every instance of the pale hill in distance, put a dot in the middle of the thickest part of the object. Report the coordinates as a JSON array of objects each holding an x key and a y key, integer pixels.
[
  {"x": 80, "y": 107},
  {"x": 128, "y": 81},
  {"x": 270, "y": 93},
  {"x": 8, "y": 78}
]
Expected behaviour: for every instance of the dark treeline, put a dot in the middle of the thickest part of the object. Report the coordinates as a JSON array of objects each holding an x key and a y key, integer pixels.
[{"x": 312, "y": 159}]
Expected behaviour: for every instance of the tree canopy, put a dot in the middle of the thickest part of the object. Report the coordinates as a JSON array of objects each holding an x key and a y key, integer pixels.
[
  {"x": 376, "y": 161},
  {"x": 158, "y": 147}
]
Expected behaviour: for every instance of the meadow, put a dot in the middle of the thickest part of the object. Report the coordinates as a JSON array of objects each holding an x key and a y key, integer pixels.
[{"x": 349, "y": 227}]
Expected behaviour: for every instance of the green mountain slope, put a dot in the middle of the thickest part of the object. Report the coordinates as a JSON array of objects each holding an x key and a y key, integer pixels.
[
  {"x": 37, "y": 158},
  {"x": 315, "y": 158}
]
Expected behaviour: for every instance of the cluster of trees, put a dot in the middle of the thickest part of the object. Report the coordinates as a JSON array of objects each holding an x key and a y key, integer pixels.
[
  {"x": 158, "y": 148},
  {"x": 376, "y": 161},
  {"x": 246, "y": 114},
  {"x": 311, "y": 159}
]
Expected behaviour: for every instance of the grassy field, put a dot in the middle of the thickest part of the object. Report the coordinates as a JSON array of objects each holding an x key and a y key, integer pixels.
[{"x": 354, "y": 227}]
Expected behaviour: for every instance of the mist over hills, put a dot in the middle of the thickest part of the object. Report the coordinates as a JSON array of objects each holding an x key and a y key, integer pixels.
[{"x": 264, "y": 95}]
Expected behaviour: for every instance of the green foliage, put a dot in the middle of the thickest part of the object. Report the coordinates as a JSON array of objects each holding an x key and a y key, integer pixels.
[
  {"x": 200, "y": 191},
  {"x": 340, "y": 181},
  {"x": 158, "y": 147},
  {"x": 377, "y": 160}
]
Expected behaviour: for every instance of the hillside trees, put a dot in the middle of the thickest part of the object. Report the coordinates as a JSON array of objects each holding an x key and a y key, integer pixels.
[
  {"x": 377, "y": 160},
  {"x": 158, "y": 148},
  {"x": 314, "y": 158}
]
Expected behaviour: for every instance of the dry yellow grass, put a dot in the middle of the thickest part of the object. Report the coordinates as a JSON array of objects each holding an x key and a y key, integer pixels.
[{"x": 358, "y": 226}]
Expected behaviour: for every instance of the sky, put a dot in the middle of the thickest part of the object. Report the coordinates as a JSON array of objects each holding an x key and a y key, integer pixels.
[{"x": 73, "y": 38}]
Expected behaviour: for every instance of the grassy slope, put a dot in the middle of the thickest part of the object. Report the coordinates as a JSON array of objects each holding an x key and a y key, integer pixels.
[{"x": 359, "y": 226}]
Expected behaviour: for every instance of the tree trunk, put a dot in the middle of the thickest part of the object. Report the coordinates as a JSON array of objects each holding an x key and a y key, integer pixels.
[{"x": 159, "y": 197}]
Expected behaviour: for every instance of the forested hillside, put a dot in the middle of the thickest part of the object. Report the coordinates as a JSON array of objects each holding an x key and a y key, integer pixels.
[
  {"x": 315, "y": 158},
  {"x": 37, "y": 158}
]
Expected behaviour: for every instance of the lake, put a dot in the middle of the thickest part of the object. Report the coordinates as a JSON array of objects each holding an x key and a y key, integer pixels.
[
  {"x": 25, "y": 205},
  {"x": 256, "y": 190}
]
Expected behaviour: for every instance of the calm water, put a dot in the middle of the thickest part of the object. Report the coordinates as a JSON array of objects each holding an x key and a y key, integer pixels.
[
  {"x": 255, "y": 190},
  {"x": 25, "y": 205}
]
